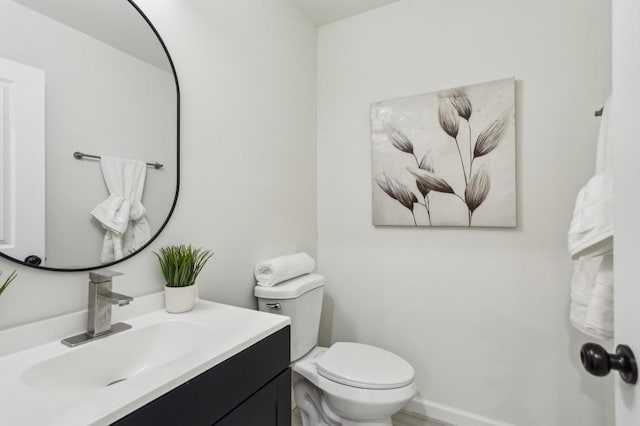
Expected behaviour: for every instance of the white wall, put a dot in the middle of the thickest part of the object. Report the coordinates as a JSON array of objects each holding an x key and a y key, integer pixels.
[
  {"x": 101, "y": 101},
  {"x": 482, "y": 314},
  {"x": 248, "y": 181}
]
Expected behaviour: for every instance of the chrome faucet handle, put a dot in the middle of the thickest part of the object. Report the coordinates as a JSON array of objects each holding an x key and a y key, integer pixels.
[
  {"x": 115, "y": 298},
  {"x": 102, "y": 278},
  {"x": 102, "y": 275}
]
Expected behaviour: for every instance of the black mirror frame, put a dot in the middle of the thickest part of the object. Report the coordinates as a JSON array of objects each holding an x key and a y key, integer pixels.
[{"x": 175, "y": 198}]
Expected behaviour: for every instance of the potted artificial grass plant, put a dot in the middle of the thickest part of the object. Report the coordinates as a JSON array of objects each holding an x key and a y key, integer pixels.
[{"x": 180, "y": 267}]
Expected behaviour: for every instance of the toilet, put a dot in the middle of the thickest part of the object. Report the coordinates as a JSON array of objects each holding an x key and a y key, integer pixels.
[{"x": 347, "y": 384}]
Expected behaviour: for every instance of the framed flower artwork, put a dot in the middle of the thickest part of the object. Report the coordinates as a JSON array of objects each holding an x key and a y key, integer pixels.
[{"x": 446, "y": 158}]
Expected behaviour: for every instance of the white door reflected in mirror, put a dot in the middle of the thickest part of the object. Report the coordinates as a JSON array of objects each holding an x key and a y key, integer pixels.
[{"x": 22, "y": 153}]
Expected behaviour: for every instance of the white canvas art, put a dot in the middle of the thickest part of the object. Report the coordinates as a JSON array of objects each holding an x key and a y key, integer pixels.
[{"x": 446, "y": 158}]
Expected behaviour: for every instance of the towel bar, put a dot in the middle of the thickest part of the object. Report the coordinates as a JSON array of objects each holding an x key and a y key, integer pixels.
[{"x": 80, "y": 155}]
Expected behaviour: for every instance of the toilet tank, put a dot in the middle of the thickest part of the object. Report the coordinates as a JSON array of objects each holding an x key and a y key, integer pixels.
[{"x": 301, "y": 300}]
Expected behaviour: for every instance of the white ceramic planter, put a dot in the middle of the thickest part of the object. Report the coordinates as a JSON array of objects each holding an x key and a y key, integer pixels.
[{"x": 180, "y": 299}]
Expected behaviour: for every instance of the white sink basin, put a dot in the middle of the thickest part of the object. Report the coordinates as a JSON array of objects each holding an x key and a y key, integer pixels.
[
  {"x": 56, "y": 385},
  {"x": 116, "y": 358}
]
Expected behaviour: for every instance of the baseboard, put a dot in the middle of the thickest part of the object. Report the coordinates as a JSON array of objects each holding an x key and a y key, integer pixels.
[{"x": 450, "y": 415}]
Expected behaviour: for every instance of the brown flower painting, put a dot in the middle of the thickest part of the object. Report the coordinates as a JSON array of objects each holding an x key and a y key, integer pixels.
[{"x": 446, "y": 158}]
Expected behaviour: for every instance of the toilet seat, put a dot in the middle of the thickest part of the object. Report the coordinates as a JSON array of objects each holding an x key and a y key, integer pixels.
[
  {"x": 364, "y": 366},
  {"x": 344, "y": 399}
]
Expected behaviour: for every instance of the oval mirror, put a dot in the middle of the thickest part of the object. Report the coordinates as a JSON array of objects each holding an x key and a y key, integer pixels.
[{"x": 89, "y": 132}]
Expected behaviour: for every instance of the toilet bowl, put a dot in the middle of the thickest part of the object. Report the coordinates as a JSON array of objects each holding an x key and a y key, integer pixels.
[
  {"x": 347, "y": 384},
  {"x": 366, "y": 394}
]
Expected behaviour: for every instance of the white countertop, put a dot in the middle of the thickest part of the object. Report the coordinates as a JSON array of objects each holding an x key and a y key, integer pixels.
[{"x": 233, "y": 329}]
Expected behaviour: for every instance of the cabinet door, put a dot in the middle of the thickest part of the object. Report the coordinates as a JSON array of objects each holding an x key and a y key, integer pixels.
[
  {"x": 259, "y": 410},
  {"x": 270, "y": 406}
]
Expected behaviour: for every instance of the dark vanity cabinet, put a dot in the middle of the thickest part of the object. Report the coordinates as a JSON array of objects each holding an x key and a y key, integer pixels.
[{"x": 252, "y": 388}]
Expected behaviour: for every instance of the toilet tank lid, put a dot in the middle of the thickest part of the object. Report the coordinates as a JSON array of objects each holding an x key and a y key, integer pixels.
[{"x": 290, "y": 289}]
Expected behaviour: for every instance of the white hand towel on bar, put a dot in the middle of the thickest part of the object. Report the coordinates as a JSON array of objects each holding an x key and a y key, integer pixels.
[
  {"x": 122, "y": 215},
  {"x": 271, "y": 272},
  {"x": 591, "y": 245}
]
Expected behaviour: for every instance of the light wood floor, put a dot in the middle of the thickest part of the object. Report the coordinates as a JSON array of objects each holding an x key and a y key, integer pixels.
[{"x": 400, "y": 419}]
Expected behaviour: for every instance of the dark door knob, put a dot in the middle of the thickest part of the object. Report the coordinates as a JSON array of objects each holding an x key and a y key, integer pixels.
[
  {"x": 598, "y": 362},
  {"x": 33, "y": 260}
]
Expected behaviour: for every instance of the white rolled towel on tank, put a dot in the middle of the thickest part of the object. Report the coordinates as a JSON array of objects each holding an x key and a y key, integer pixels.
[{"x": 272, "y": 272}]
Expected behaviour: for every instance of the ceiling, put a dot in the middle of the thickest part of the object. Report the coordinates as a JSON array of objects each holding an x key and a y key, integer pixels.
[
  {"x": 99, "y": 18},
  {"x": 324, "y": 12}
]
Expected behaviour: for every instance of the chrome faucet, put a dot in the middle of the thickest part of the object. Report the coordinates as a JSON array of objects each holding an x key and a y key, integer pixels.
[{"x": 101, "y": 298}]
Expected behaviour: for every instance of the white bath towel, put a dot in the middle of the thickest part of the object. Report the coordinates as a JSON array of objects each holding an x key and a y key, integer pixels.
[
  {"x": 591, "y": 245},
  {"x": 591, "y": 230},
  {"x": 274, "y": 271},
  {"x": 599, "y": 318},
  {"x": 122, "y": 215},
  {"x": 591, "y": 308}
]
